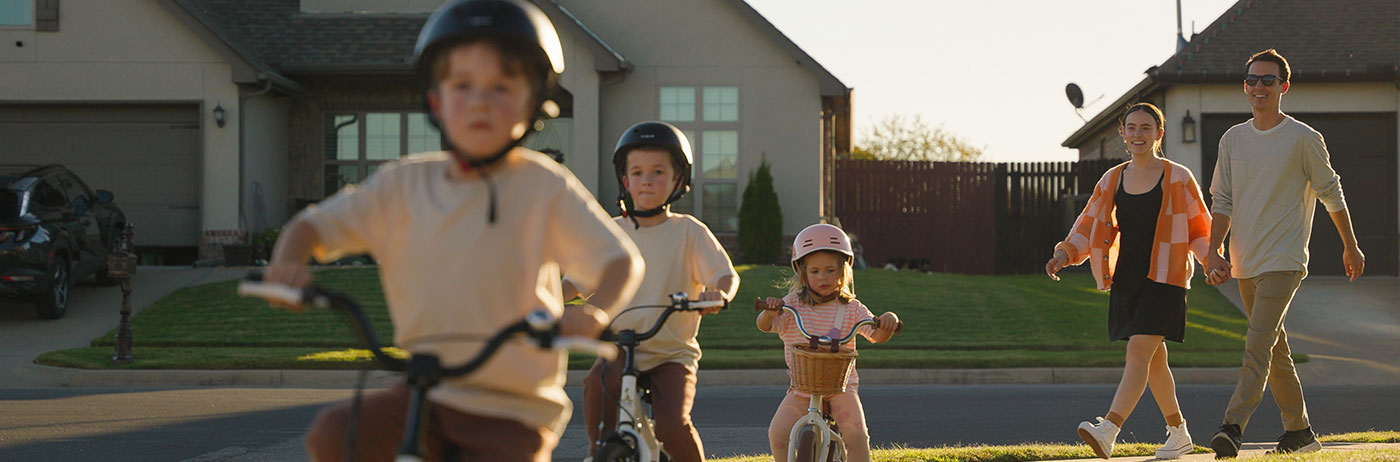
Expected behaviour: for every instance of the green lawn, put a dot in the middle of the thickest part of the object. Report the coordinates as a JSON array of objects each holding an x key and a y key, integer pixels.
[
  {"x": 951, "y": 321},
  {"x": 1034, "y": 451}
]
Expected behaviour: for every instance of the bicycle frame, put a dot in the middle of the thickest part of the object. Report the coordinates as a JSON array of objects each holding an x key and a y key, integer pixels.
[
  {"x": 633, "y": 419},
  {"x": 815, "y": 421}
]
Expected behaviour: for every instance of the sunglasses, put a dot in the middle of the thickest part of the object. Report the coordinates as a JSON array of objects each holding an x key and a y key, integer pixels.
[{"x": 1268, "y": 80}]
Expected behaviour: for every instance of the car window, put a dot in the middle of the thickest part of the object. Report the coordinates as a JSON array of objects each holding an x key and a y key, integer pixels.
[
  {"x": 46, "y": 194},
  {"x": 74, "y": 188}
]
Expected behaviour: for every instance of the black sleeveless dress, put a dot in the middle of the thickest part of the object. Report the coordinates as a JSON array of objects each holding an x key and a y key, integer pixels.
[{"x": 1137, "y": 305}]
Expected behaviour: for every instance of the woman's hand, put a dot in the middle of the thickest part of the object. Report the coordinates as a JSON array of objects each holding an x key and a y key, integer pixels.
[{"x": 1055, "y": 264}]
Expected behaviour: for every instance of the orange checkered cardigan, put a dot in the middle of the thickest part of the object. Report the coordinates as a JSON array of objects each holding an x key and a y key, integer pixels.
[{"x": 1183, "y": 229}]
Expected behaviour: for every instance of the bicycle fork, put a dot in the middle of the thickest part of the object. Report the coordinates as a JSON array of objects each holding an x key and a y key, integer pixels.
[
  {"x": 633, "y": 420},
  {"x": 822, "y": 435}
]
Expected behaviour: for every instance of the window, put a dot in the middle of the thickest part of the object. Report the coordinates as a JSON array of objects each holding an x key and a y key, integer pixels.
[
  {"x": 713, "y": 129},
  {"x": 721, "y": 104},
  {"x": 357, "y": 143},
  {"x": 48, "y": 195},
  {"x": 16, "y": 13},
  {"x": 678, "y": 104}
]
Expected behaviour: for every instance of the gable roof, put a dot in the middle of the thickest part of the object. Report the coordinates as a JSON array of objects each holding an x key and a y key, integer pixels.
[
  {"x": 830, "y": 85},
  {"x": 1324, "y": 41},
  {"x": 276, "y": 36}
]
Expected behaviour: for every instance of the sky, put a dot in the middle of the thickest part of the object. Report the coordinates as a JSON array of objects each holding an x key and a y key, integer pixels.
[{"x": 991, "y": 72}]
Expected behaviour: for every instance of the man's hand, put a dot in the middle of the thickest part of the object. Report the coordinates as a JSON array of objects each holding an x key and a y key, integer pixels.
[
  {"x": 710, "y": 295},
  {"x": 1354, "y": 261},
  {"x": 1217, "y": 269},
  {"x": 582, "y": 321}
]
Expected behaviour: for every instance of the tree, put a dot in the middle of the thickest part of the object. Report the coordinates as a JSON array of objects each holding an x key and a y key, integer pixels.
[
  {"x": 899, "y": 138},
  {"x": 760, "y": 218}
]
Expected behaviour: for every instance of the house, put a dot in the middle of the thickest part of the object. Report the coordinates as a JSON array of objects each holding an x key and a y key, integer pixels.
[
  {"x": 214, "y": 119},
  {"x": 1345, "y": 58}
]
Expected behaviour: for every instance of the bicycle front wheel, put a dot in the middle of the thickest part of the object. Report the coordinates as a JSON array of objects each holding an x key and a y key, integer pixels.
[
  {"x": 806, "y": 442},
  {"x": 616, "y": 450}
]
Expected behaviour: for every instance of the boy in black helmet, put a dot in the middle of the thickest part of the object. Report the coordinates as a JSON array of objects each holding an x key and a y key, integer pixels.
[
  {"x": 652, "y": 160},
  {"x": 469, "y": 240}
]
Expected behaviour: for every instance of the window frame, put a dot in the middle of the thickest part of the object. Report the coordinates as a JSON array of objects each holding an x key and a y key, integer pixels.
[
  {"x": 364, "y": 165},
  {"x": 695, "y": 130}
]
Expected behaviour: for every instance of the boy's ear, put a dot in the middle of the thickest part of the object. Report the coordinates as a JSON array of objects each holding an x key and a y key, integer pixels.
[{"x": 435, "y": 103}]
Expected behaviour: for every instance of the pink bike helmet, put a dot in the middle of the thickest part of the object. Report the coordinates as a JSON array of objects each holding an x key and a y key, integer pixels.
[{"x": 820, "y": 237}]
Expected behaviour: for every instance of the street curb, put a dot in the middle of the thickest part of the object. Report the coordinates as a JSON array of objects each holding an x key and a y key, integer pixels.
[{"x": 34, "y": 375}]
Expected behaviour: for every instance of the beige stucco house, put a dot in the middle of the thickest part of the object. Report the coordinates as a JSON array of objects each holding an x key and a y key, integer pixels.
[
  {"x": 214, "y": 119},
  {"x": 1345, "y": 58}
]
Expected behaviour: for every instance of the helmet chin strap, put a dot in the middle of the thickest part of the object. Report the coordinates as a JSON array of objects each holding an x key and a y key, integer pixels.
[
  {"x": 634, "y": 214},
  {"x": 479, "y": 165}
]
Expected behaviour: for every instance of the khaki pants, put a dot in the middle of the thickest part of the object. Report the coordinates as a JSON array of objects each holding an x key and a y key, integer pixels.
[
  {"x": 380, "y": 430},
  {"x": 1267, "y": 357}
]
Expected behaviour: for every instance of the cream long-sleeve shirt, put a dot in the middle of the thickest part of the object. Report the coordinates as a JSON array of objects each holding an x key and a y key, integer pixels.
[{"x": 1266, "y": 181}]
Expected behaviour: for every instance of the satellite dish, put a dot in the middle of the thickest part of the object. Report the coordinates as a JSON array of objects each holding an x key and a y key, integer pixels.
[{"x": 1076, "y": 96}]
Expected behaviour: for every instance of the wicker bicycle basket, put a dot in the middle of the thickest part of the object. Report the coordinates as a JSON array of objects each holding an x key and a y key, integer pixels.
[{"x": 821, "y": 372}]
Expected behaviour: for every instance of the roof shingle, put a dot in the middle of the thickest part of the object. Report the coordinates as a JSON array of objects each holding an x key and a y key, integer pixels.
[{"x": 1323, "y": 40}]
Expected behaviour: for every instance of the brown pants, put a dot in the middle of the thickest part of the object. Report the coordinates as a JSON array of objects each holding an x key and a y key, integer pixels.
[
  {"x": 672, "y": 395},
  {"x": 1267, "y": 358},
  {"x": 380, "y": 431}
]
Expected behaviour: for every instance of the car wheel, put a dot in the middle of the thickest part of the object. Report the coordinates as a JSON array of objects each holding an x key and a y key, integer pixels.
[{"x": 53, "y": 303}]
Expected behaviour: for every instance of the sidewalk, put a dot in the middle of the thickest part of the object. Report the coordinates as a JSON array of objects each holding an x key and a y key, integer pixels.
[{"x": 1251, "y": 450}]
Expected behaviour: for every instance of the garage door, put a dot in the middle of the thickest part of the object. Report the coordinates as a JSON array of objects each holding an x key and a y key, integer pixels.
[
  {"x": 1363, "y": 151},
  {"x": 147, "y": 155}
]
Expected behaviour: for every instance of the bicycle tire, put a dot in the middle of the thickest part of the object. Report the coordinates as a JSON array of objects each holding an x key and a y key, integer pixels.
[
  {"x": 806, "y": 445},
  {"x": 616, "y": 450}
]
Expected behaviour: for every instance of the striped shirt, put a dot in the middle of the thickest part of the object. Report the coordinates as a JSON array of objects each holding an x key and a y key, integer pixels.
[
  {"x": 1183, "y": 229},
  {"x": 821, "y": 320}
]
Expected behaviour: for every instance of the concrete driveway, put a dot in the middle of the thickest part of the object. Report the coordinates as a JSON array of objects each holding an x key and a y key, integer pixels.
[
  {"x": 1349, "y": 330},
  {"x": 92, "y": 310}
]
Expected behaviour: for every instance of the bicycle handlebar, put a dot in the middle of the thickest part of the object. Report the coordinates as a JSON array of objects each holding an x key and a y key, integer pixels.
[
  {"x": 816, "y": 340},
  {"x": 679, "y": 302},
  {"x": 539, "y": 325}
]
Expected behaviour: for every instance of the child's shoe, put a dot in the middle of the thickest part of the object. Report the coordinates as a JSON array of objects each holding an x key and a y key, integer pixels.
[
  {"x": 1178, "y": 443},
  {"x": 1100, "y": 436}
]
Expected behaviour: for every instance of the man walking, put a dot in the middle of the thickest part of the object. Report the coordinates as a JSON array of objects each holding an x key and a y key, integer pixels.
[{"x": 1270, "y": 171}]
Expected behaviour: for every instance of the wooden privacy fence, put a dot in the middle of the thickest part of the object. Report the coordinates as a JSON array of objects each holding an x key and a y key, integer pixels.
[{"x": 975, "y": 218}]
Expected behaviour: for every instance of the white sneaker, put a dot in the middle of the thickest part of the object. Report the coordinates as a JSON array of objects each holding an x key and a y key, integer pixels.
[
  {"x": 1178, "y": 443},
  {"x": 1100, "y": 436}
]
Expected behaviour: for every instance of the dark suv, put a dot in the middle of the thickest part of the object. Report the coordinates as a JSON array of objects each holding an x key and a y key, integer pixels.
[{"x": 53, "y": 230}]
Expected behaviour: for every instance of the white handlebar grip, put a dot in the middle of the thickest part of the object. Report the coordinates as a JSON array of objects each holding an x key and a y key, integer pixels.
[
  {"x": 268, "y": 291},
  {"x": 707, "y": 304},
  {"x": 605, "y": 350}
]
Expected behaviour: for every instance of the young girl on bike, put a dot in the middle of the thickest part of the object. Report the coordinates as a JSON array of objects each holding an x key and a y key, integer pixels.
[
  {"x": 1142, "y": 226},
  {"x": 469, "y": 240},
  {"x": 821, "y": 291}
]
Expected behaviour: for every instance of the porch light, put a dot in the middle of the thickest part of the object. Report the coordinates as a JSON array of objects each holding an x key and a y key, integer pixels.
[
  {"x": 1188, "y": 129},
  {"x": 219, "y": 115}
]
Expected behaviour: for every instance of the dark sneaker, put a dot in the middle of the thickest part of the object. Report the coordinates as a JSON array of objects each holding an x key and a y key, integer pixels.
[
  {"x": 1297, "y": 441},
  {"x": 1226, "y": 442}
]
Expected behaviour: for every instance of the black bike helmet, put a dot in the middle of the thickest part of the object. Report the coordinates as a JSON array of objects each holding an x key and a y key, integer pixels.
[
  {"x": 653, "y": 134},
  {"x": 517, "y": 25},
  {"x": 514, "y": 22}
]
